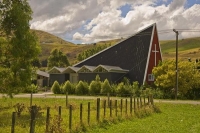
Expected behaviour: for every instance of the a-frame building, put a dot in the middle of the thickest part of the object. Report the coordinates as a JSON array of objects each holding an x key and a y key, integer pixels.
[{"x": 137, "y": 55}]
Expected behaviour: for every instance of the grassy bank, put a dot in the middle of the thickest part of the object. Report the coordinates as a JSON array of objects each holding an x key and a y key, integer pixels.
[{"x": 175, "y": 118}]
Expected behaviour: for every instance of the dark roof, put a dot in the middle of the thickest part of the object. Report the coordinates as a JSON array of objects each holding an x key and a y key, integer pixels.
[
  {"x": 130, "y": 54},
  {"x": 58, "y": 69},
  {"x": 70, "y": 69},
  {"x": 42, "y": 73},
  {"x": 112, "y": 68}
]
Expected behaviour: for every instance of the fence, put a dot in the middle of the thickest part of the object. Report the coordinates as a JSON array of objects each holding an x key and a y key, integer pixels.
[{"x": 102, "y": 108}]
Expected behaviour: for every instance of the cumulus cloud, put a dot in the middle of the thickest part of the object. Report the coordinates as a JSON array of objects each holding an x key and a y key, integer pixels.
[{"x": 102, "y": 19}]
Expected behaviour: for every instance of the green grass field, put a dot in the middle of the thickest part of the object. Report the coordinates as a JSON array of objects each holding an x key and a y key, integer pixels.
[{"x": 175, "y": 118}]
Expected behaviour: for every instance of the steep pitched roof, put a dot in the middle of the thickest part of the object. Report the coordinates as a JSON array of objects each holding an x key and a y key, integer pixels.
[
  {"x": 130, "y": 54},
  {"x": 42, "y": 73},
  {"x": 112, "y": 68},
  {"x": 56, "y": 70},
  {"x": 89, "y": 68},
  {"x": 71, "y": 69}
]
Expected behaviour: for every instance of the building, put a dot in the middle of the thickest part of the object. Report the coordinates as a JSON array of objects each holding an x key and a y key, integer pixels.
[{"x": 133, "y": 58}]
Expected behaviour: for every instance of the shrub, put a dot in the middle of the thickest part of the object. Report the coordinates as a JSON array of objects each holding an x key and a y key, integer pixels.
[
  {"x": 95, "y": 86},
  {"x": 124, "y": 90},
  {"x": 32, "y": 88},
  {"x": 136, "y": 89},
  {"x": 106, "y": 88},
  {"x": 81, "y": 88},
  {"x": 68, "y": 87},
  {"x": 56, "y": 88},
  {"x": 19, "y": 108}
]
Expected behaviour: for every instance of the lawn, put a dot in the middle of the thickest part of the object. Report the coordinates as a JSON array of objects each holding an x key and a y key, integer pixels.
[{"x": 175, "y": 118}]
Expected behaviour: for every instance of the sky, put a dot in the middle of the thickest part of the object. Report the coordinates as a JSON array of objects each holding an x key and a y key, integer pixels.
[{"x": 90, "y": 21}]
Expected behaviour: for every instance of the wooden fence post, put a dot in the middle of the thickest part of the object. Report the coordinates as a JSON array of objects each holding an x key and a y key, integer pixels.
[
  {"x": 66, "y": 99},
  {"x": 121, "y": 106},
  {"x": 151, "y": 96},
  {"x": 140, "y": 101},
  {"x": 81, "y": 113},
  {"x": 32, "y": 122},
  {"x": 88, "y": 113},
  {"x": 108, "y": 94},
  {"x": 134, "y": 104},
  {"x": 138, "y": 104},
  {"x": 126, "y": 106},
  {"x": 98, "y": 109},
  {"x": 110, "y": 108},
  {"x": 13, "y": 122},
  {"x": 104, "y": 110},
  {"x": 70, "y": 118},
  {"x": 59, "y": 115},
  {"x": 47, "y": 119},
  {"x": 115, "y": 107},
  {"x": 131, "y": 103},
  {"x": 31, "y": 99}
]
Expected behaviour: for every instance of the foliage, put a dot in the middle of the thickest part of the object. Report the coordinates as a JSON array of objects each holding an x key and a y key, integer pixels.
[
  {"x": 106, "y": 88},
  {"x": 32, "y": 88},
  {"x": 124, "y": 90},
  {"x": 19, "y": 47},
  {"x": 188, "y": 77},
  {"x": 37, "y": 110},
  {"x": 82, "y": 88},
  {"x": 19, "y": 108},
  {"x": 136, "y": 89},
  {"x": 56, "y": 88},
  {"x": 68, "y": 87},
  {"x": 57, "y": 58},
  {"x": 95, "y": 86},
  {"x": 55, "y": 124}
]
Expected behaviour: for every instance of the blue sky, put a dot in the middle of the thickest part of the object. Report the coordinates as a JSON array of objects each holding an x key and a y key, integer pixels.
[{"x": 89, "y": 21}]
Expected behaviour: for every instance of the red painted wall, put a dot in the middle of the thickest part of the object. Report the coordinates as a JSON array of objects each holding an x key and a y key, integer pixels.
[{"x": 152, "y": 55}]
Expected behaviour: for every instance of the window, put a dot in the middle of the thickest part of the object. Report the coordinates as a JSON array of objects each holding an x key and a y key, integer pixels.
[{"x": 150, "y": 77}]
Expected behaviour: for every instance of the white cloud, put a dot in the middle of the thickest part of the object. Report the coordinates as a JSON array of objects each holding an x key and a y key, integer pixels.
[{"x": 102, "y": 19}]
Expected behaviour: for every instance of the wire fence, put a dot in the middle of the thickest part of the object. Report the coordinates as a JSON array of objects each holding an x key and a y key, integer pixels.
[{"x": 72, "y": 118}]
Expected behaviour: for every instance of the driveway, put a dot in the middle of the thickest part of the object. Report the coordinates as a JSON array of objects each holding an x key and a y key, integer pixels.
[{"x": 50, "y": 95}]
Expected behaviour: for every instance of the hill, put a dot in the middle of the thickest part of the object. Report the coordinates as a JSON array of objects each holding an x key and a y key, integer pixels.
[{"x": 188, "y": 48}]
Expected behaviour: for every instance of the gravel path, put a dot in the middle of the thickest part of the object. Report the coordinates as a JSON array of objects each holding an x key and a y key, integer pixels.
[{"x": 49, "y": 95}]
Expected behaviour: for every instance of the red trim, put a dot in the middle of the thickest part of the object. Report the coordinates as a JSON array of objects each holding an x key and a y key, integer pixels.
[{"x": 151, "y": 65}]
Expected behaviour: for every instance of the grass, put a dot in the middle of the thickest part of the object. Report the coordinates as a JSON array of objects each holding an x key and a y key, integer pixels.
[
  {"x": 175, "y": 118},
  {"x": 23, "y": 122}
]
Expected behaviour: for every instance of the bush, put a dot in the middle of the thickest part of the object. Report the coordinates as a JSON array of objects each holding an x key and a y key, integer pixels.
[
  {"x": 56, "y": 88},
  {"x": 106, "y": 88},
  {"x": 95, "y": 86},
  {"x": 68, "y": 87},
  {"x": 82, "y": 88},
  {"x": 32, "y": 88},
  {"x": 124, "y": 90}
]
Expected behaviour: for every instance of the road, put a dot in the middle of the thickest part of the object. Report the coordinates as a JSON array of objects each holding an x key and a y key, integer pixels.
[{"x": 50, "y": 95}]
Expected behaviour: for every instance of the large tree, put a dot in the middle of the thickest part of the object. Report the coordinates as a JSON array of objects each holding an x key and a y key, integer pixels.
[
  {"x": 19, "y": 46},
  {"x": 58, "y": 59},
  {"x": 188, "y": 76}
]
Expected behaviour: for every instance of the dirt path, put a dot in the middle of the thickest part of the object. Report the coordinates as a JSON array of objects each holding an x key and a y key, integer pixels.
[{"x": 50, "y": 95}]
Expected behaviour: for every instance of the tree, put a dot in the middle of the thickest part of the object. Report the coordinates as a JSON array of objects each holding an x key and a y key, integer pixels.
[
  {"x": 95, "y": 86},
  {"x": 165, "y": 74},
  {"x": 106, "y": 88},
  {"x": 57, "y": 58},
  {"x": 19, "y": 46}
]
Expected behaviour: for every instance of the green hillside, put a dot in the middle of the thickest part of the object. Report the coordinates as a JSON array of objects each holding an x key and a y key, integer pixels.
[{"x": 188, "y": 48}]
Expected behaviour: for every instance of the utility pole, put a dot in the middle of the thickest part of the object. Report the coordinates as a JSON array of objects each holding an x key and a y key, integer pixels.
[{"x": 176, "y": 88}]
